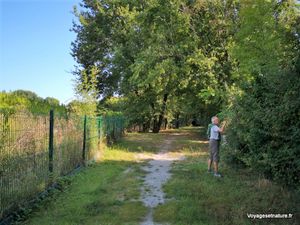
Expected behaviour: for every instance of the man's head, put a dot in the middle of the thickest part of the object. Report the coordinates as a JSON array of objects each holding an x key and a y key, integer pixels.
[{"x": 215, "y": 120}]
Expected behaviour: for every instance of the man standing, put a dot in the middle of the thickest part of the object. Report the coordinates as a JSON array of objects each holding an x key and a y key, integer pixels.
[{"x": 214, "y": 144}]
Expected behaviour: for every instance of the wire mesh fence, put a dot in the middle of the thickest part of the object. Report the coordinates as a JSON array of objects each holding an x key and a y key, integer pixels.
[{"x": 30, "y": 161}]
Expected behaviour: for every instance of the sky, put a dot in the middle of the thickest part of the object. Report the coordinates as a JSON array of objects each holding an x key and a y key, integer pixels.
[{"x": 35, "y": 46}]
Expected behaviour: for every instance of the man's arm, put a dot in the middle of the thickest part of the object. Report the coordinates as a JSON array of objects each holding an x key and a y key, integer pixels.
[{"x": 221, "y": 130}]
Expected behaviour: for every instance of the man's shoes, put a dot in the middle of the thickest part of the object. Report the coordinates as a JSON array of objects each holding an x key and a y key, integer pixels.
[
  {"x": 209, "y": 171},
  {"x": 217, "y": 175}
]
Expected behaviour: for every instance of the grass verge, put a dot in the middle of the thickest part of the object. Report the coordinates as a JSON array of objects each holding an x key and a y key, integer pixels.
[
  {"x": 197, "y": 197},
  {"x": 105, "y": 193}
]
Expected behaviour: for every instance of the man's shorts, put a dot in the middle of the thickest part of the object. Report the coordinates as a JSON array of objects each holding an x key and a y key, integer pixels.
[{"x": 214, "y": 150}]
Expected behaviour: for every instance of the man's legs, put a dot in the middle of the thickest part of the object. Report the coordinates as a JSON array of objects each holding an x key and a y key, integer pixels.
[
  {"x": 215, "y": 167},
  {"x": 210, "y": 159},
  {"x": 215, "y": 157},
  {"x": 209, "y": 164}
]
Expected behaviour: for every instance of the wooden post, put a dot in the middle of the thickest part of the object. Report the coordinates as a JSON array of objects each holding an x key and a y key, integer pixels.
[
  {"x": 51, "y": 145},
  {"x": 84, "y": 140}
]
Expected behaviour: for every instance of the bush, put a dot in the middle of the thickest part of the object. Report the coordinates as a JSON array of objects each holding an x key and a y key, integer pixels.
[{"x": 264, "y": 132}]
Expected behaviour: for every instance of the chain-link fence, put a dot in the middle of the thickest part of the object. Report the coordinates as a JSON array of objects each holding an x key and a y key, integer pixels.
[{"x": 35, "y": 150}]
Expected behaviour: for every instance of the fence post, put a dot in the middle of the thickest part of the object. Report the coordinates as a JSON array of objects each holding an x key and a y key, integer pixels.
[
  {"x": 51, "y": 145},
  {"x": 84, "y": 140}
]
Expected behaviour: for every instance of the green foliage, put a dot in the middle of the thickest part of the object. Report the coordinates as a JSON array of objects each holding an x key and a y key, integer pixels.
[
  {"x": 28, "y": 102},
  {"x": 79, "y": 107},
  {"x": 257, "y": 38},
  {"x": 265, "y": 128},
  {"x": 153, "y": 53},
  {"x": 112, "y": 104},
  {"x": 264, "y": 118},
  {"x": 178, "y": 60}
]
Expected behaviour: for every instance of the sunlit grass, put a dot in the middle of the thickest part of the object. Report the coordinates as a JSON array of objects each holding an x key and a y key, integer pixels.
[
  {"x": 141, "y": 142},
  {"x": 115, "y": 154},
  {"x": 108, "y": 192},
  {"x": 196, "y": 197},
  {"x": 104, "y": 193}
]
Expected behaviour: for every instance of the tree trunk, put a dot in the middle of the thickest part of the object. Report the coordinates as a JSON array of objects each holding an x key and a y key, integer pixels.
[
  {"x": 146, "y": 126},
  {"x": 177, "y": 121},
  {"x": 157, "y": 124},
  {"x": 155, "y": 129},
  {"x": 166, "y": 123}
]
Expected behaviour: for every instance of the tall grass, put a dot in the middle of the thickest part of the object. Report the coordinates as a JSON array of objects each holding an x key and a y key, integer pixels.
[{"x": 24, "y": 151}]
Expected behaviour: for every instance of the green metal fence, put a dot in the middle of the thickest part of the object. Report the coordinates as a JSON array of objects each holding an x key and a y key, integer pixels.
[{"x": 35, "y": 150}]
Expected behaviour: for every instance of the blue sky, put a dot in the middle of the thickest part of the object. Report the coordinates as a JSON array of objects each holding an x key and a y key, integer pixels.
[{"x": 35, "y": 44}]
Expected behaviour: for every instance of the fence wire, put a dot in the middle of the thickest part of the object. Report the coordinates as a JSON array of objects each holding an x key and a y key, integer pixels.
[{"x": 24, "y": 151}]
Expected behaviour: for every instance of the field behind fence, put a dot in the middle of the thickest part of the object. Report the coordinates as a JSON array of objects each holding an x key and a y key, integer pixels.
[{"x": 36, "y": 150}]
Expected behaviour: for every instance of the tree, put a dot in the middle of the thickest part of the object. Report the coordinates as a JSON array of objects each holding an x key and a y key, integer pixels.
[
  {"x": 84, "y": 105},
  {"x": 185, "y": 59},
  {"x": 152, "y": 52},
  {"x": 264, "y": 129},
  {"x": 21, "y": 101}
]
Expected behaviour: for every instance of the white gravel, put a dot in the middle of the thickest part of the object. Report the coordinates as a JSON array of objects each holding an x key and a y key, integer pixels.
[{"x": 158, "y": 173}]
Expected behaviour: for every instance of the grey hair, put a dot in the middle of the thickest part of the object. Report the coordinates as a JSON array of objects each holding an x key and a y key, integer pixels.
[{"x": 213, "y": 119}]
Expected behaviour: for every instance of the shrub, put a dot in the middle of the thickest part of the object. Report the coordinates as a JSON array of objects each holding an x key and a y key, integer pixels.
[{"x": 264, "y": 132}]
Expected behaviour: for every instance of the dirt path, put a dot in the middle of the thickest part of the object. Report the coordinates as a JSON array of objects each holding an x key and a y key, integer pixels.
[{"x": 158, "y": 172}]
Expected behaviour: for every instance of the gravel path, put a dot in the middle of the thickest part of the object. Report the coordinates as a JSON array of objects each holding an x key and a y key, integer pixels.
[{"x": 158, "y": 172}]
